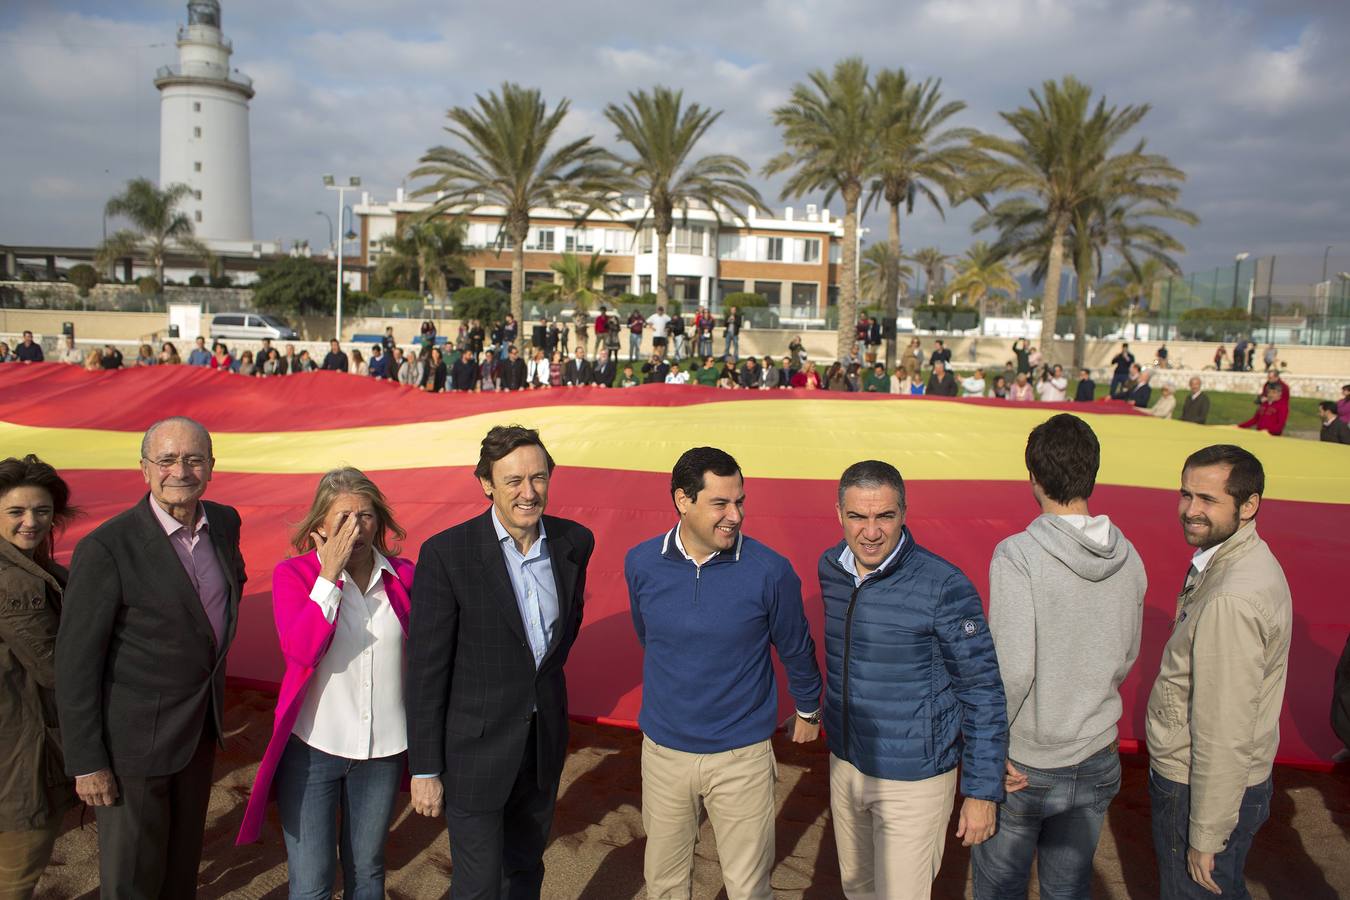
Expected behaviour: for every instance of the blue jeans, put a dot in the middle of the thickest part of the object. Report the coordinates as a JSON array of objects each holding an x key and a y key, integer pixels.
[
  {"x": 1171, "y": 810},
  {"x": 312, "y": 786},
  {"x": 733, "y": 347},
  {"x": 1057, "y": 817},
  {"x": 634, "y": 346}
]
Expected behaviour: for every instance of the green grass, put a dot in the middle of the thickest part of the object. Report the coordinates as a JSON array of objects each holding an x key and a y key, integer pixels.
[{"x": 1227, "y": 408}]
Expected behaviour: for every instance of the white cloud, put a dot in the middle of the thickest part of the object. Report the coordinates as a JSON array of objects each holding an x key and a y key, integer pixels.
[{"x": 1248, "y": 100}]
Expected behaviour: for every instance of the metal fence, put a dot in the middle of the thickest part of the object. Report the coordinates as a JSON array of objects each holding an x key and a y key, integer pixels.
[{"x": 1284, "y": 299}]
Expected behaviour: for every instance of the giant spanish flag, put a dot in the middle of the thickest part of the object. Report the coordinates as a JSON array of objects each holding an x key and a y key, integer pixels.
[{"x": 962, "y": 460}]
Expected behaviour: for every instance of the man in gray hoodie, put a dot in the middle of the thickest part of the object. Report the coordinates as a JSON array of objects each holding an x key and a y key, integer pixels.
[{"x": 1066, "y": 604}]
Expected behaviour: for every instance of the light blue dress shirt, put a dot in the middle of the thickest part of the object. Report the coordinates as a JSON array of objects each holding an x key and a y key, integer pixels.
[{"x": 532, "y": 582}]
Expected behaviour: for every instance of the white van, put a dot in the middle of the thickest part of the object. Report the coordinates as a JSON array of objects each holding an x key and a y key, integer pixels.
[{"x": 250, "y": 327}]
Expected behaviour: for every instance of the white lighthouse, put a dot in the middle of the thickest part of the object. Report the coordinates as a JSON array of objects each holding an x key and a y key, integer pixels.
[{"x": 203, "y": 130}]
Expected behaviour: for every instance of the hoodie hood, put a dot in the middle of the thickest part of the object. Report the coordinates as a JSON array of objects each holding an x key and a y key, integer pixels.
[{"x": 1070, "y": 545}]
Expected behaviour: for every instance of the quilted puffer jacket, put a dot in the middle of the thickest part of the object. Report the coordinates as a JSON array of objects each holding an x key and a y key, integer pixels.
[{"x": 912, "y": 681}]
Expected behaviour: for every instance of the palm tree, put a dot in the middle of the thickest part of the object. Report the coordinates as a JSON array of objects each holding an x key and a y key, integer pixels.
[
  {"x": 979, "y": 273},
  {"x": 508, "y": 164},
  {"x": 934, "y": 264},
  {"x": 876, "y": 272},
  {"x": 916, "y": 159},
  {"x": 158, "y": 226},
  {"x": 829, "y": 127},
  {"x": 1060, "y": 161},
  {"x": 425, "y": 253},
  {"x": 1117, "y": 219},
  {"x": 662, "y": 134},
  {"x": 1127, "y": 284},
  {"x": 577, "y": 278}
]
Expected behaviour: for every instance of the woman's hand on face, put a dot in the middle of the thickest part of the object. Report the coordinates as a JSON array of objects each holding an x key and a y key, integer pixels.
[{"x": 336, "y": 550}]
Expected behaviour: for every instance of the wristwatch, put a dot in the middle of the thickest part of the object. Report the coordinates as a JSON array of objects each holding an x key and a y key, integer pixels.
[{"x": 809, "y": 718}]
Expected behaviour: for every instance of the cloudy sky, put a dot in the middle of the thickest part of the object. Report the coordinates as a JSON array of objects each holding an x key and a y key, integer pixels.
[{"x": 1249, "y": 98}]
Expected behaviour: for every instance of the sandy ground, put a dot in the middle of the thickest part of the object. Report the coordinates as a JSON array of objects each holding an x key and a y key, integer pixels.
[{"x": 596, "y": 852}]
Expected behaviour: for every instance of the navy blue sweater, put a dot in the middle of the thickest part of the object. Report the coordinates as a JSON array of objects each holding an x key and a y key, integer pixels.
[{"x": 707, "y": 674}]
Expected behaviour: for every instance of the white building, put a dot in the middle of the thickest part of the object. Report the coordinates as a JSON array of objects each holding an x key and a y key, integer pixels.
[
  {"x": 203, "y": 132},
  {"x": 788, "y": 259}
]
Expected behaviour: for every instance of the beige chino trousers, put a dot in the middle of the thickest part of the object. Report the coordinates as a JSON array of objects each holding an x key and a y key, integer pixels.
[
  {"x": 737, "y": 789},
  {"x": 890, "y": 834}
]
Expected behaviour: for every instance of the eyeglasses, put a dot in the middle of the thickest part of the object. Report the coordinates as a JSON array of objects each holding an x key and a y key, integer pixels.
[{"x": 169, "y": 463}]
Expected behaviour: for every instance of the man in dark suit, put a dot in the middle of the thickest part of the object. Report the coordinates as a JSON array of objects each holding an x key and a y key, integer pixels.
[
  {"x": 1196, "y": 407},
  {"x": 496, "y": 605},
  {"x": 1087, "y": 388},
  {"x": 941, "y": 383},
  {"x": 577, "y": 372},
  {"x": 513, "y": 371},
  {"x": 605, "y": 370},
  {"x": 464, "y": 373},
  {"x": 148, "y": 616}
]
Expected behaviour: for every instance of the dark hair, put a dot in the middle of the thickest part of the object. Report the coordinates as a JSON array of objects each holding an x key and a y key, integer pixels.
[
  {"x": 1063, "y": 455},
  {"x": 694, "y": 463},
  {"x": 1245, "y": 475},
  {"x": 501, "y": 441},
  {"x": 31, "y": 471},
  {"x": 1328, "y": 406},
  {"x": 871, "y": 473}
]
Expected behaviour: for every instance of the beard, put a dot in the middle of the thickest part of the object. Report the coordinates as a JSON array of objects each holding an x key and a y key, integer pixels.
[{"x": 1211, "y": 536}]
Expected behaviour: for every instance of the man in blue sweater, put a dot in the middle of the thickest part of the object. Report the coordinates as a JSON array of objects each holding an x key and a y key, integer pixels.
[
  {"x": 913, "y": 690},
  {"x": 707, "y": 603}
]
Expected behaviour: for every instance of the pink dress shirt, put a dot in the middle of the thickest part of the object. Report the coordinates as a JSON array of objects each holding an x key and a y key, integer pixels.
[
  {"x": 305, "y": 634},
  {"x": 198, "y": 556}
]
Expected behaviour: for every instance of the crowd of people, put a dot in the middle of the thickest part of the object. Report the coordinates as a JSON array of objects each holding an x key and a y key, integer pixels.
[
  {"x": 484, "y": 359},
  {"x": 452, "y": 669}
]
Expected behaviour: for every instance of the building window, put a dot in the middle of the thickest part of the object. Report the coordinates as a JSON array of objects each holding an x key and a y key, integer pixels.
[
  {"x": 645, "y": 241},
  {"x": 730, "y": 246},
  {"x": 197, "y": 194},
  {"x": 197, "y": 131},
  {"x": 196, "y": 107},
  {"x": 618, "y": 240},
  {"x": 579, "y": 240},
  {"x": 836, "y": 252},
  {"x": 688, "y": 240},
  {"x": 644, "y": 284},
  {"x": 728, "y": 286},
  {"x": 770, "y": 290},
  {"x": 540, "y": 239},
  {"x": 684, "y": 290},
  {"x": 806, "y": 250},
  {"x": 771, "y": 249},
  {"x": 617, "y": 284},
  {"x": 804, "y": 297},
  {"x": 196, "y": 167},
  {"x": 198, "y": 215},
  {"x": 498, "y": 279}
]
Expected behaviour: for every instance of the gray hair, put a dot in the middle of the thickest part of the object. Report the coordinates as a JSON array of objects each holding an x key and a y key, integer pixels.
[
  {"x": 872, "y": 473},
  {"x": 175, "y": 420}
]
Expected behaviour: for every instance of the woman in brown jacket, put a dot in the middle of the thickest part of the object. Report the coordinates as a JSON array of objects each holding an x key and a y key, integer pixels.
[{"x": 34, "y": 790}]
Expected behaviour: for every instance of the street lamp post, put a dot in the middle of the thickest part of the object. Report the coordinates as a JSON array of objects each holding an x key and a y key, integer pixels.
[
  {"x": 329, "y": 220},
  {"x": 1237, "y": 264},
  {"x": 331, "y": 184}
]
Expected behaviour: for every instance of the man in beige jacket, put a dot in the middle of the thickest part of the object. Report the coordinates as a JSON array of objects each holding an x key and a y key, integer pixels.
[{"x": 1213, "y": 715}]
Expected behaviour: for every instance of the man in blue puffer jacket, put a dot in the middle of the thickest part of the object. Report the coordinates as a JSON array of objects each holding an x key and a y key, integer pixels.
[{"x": 912, "y": 689}]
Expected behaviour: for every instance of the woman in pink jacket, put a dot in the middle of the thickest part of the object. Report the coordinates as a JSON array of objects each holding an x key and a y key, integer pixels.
[{"x": 339, "y": 736}]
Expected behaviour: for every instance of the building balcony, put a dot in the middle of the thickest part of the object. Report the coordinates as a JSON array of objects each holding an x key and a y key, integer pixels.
[{"x": 167, "y": 75}]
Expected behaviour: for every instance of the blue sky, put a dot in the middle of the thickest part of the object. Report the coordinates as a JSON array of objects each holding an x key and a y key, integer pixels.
[{"x": 1249, "y": 98}]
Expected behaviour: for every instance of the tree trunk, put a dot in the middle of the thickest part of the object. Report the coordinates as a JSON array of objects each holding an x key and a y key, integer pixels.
[
  {"x": 892, "y": 303},
  {"x": 664, "y": 224},
  {"x": 1080, "y": 315},
  {"x": 848, "y": 275},
  {"x": 518, "y": 235},
  {"x": 1050, "y": 299}
]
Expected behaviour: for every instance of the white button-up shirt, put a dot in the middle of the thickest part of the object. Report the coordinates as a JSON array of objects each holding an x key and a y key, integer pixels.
[{"x": 354, "y": 705}]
